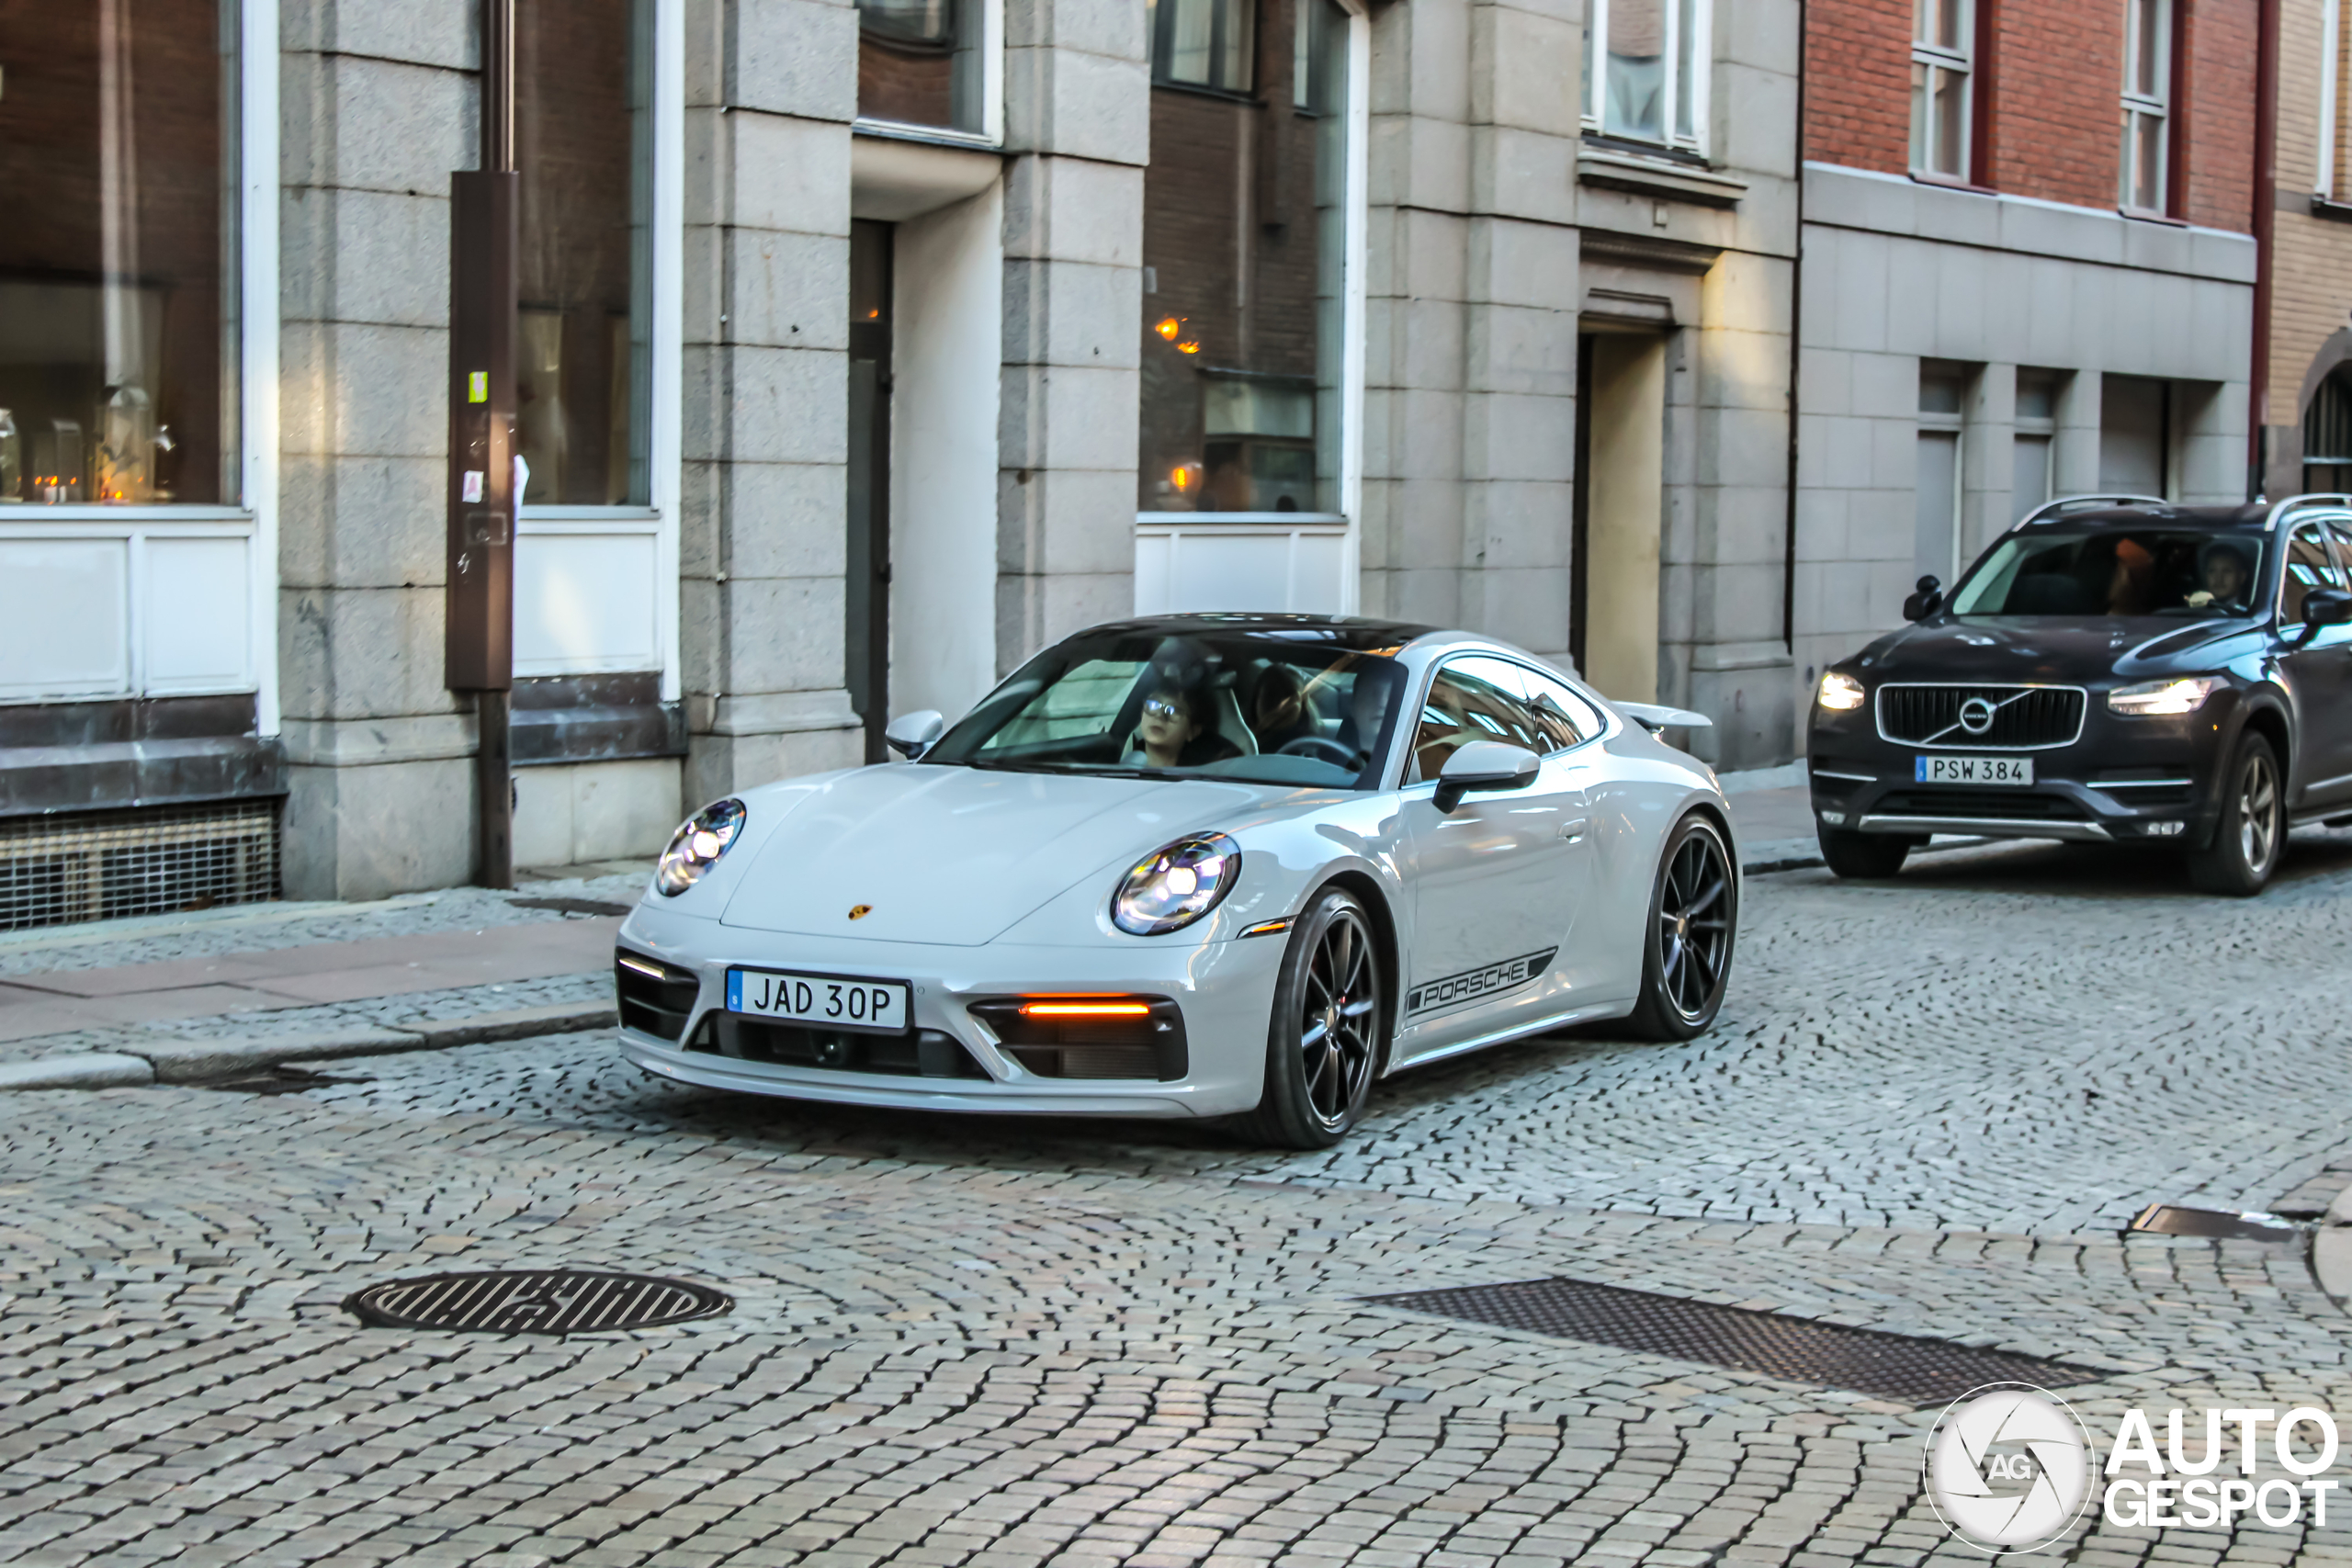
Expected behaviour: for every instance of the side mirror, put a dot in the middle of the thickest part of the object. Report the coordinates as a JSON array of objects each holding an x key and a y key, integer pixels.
[
  {"x": 912, "y": 734},
  {"x": 2324, "y": 607},
  {"x": 1926, "y": 601},
  {"x": 1485, "y": 765}
]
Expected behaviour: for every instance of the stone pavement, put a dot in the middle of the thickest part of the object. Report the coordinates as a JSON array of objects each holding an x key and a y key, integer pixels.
[{"x": 1928, "y": 1108}]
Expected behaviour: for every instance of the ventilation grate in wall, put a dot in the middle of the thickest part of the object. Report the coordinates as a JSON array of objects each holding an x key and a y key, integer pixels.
[{"x": 99, "y": 866}]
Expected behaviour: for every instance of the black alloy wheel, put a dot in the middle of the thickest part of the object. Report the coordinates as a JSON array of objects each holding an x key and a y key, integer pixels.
[
  {"x": 1869, "y": 857},
  {"x": 2252, "y": 829},
  {"x": 1694, "y": 927},
  {"x": 1326, "y": 1038}
]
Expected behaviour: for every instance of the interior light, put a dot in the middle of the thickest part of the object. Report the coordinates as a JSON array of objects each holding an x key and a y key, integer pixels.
[
  {"x": 1181, "y": 477},
  {"x": 1170, "y": 327},
  {"x": 1188, "y": 347}
]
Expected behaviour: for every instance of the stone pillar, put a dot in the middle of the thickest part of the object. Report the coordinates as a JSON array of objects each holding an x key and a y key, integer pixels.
[
  {"x": 2074, "y": 450},
  {"x": 1078, "y": 128},
  {"x": 771, "y": 88},
  {"x": 1987, "y": 458},
  {"x": 379, "y": 107}
]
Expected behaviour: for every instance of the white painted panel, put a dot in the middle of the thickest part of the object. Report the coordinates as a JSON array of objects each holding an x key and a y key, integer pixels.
[
  {"x": 584, "y": 603},
  {"x": 198, "y": 626},
  {"x": 1241, "y": 568},
  {"x": 63, "y": 617}
]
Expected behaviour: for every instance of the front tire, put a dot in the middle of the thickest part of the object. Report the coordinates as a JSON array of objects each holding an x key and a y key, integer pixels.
[
  {"x": 1694, "y": 927},
  {"x": 1871, "y": 857},
  {"x": 2252, "y": 829},
  {"x": 1326, "y": 1039}
]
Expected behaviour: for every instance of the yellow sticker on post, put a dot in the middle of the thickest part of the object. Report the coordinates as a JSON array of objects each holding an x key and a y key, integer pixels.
[{"x": 476, "y": 386}]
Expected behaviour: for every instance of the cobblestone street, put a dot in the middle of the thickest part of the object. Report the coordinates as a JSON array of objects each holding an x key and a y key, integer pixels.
[{"x": 1930, "y": 1108}]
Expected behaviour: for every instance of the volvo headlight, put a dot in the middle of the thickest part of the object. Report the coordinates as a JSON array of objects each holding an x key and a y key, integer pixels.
[
  {"x": 2184, "y": 694},
  {"x": 696, "y": 847},
  {"x": 1839, "y": 691},
  {"x": 1173, "y": 886}
]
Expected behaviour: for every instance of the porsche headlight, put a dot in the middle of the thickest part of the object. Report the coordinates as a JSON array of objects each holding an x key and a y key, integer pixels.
[
  {"x": 696, "y": 847},
  {"x": 1175, "y": 886},
  {"x": 2153, "y": 697},
  {"x": 1839, "y": 691}
]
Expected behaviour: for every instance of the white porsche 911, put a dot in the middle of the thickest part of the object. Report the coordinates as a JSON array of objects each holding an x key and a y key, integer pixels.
[{"x": 1195, "y": 866}]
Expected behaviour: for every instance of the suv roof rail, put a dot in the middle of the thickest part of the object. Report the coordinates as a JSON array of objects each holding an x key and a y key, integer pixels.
[
  {"x": 2316, "y": 498},
  {"x": 2051, "y": 510}
]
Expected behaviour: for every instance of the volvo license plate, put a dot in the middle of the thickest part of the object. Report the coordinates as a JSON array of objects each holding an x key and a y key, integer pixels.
[
  {"x": 829, "y": 1002},
  {"x": 1973, "y": 769}
]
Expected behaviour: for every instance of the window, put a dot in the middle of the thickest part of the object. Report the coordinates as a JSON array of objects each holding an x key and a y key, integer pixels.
[
  {"x": 2309, "y": 565},
  {"x": 919, "y": 62},
  {"x": 1245, "y": 314},
  {"x": 2330, "y": 102},
  {"x": 2036, "y": 427},
  {"x": 2327, "y": 435},
  {"x": 1484, "y": 698},
  {"x": 1652, "y": 81},
  {"x": 118, "y": 327},
  {"x": 583, "y": 148},
  {"x": 1943, "y": 46},
  {"x": 1936, "y": 526},
  {"x": 2147, "y": 90},
  {"x": 2136, "y": 421},
  {"x": 1207, "y": 43}
]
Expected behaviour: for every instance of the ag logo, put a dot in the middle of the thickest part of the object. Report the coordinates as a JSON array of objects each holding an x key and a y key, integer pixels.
[{"x": 2008, "y": 1468}]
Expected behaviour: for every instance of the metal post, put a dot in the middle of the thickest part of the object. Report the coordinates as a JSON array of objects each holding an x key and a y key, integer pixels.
[{"x": 479, "y": 653}]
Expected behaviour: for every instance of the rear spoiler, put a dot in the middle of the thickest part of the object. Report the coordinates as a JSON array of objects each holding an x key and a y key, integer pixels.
[{"x": 1653, "y": 717}]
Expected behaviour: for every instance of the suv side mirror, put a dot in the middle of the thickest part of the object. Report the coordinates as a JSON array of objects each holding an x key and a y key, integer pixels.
[
  {"x": 1926, "y": 602},
  {"x": 2324, "y": 607},
  {"x": 1485, "y": 765},
  {"x": 912, "y": 734}
]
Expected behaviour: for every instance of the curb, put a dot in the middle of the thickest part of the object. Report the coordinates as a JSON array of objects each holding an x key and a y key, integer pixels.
[{"x": 198, "y": 1061}]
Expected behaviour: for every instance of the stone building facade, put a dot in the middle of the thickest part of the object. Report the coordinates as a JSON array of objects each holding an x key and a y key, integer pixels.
[{"x": 865, "y": 348}]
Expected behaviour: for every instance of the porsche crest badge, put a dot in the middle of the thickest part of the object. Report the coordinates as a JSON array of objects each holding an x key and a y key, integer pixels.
[{"x": 859, "y": 912}]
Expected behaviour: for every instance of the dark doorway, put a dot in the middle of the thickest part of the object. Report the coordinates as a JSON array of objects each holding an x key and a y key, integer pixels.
[
  {"x": 1580, "y": 508},
  {"x": 866, "y": 617}
]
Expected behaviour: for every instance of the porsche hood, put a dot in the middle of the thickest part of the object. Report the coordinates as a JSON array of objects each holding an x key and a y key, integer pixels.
[{"x": 956, "y": 855}]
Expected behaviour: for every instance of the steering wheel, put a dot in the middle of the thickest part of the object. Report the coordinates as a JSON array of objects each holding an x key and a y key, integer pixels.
[{"x": 1320, "y": 749}]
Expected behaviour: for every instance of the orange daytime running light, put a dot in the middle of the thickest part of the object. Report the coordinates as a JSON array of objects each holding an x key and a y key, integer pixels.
[{"x": 1085, "y": 1010}]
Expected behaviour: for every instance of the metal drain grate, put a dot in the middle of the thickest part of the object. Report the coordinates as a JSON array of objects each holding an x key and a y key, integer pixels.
[
  {"x": 2170, "y": 1219},
  {"x": 102, "y": 865},
  {"x": 1895, "y": 1366},
  {"x": 539, "y": 1301}
]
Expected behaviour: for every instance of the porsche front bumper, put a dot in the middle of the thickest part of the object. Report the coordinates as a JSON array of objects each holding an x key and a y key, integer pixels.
[{"x": 1224, "y": 991}]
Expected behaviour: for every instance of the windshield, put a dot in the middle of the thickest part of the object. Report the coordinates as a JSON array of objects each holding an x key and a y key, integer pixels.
[
  {"x": 2115, "y": 572},
  {"x": 1286, "y": 708}
]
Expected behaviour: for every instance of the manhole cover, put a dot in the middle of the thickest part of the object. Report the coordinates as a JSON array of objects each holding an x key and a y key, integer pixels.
[
  {"x": 2170, "y": 1219},
  {"x": 1895, "y": 1366},
  {"x": 540, "y": 1300}
]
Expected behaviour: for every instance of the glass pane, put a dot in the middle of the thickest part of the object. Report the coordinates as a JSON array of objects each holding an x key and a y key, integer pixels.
[
  {"x": 1940, "y": 387},
  {"x": 1688, "y": 49},
  {"x": 2148, "y": 161},
  {"x": 1584, "y": 64},
  {"x": 583, "y": 146},
  {"x": 1636, "y": 69},
  {"x": 918, "y": 63},
  {"x": 2309, "y": 565},
  {"x": 1934, "y": 535},
  {"x": 114, "y": 282},
  {"x": 2148, "y": 47},
  {"x": 1951, "y": 122},
  {"x": 1474, "y": 699},
  {"x": 1923, "y": 21},
  {"x": 2037, "y": 397},
  {"x": 1923, "y": 150},
  {"x": 1242, "y": 338},
  {"x": 1948, "y": 14},
  {"x": 1203, "y": 44},
  {"x": 2030, "y": 481}
]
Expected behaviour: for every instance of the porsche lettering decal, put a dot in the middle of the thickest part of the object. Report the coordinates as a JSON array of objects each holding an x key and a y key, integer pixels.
[{"x": 1506, "y": 975}]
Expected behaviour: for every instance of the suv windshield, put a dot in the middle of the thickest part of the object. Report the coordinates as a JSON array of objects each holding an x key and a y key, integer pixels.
[
  {"x": 1288, "y": 707},
  {"x": 2115, "y": 572}
]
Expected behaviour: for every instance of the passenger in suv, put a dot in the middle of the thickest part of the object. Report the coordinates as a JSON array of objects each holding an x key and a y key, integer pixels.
[{"x": 2114, "y": 670}]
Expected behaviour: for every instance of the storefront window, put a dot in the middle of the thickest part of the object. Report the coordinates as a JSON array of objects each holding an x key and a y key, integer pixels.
[
  {"x": 1242, "y": 328},
  {"x": 115, "y": 315},
  {"x": 583, "y": 146},
  {"x": 919, "y": 62}
]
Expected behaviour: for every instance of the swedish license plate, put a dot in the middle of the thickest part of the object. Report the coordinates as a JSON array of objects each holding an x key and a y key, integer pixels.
[
  {"x": 832, "y": 1002},
  {"x": 1973, "y": 769}
]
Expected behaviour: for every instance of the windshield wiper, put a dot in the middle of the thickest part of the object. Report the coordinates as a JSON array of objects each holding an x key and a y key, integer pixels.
[{"x": 1090, "y": 768}]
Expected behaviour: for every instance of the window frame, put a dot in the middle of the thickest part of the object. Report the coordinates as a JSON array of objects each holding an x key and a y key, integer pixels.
[
  {"x": 1593, "y": 90},
  {"x": 1354, "y": 255},
  {"x": 2331, "y": 29},
  {"x": 990, "y": 21},
  {"x": 1959, "y": 61},
  {"x": 2137, "y": 107}
]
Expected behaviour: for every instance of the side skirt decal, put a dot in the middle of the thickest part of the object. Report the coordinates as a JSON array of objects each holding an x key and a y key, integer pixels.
[{"x": 1505, "y": 974}]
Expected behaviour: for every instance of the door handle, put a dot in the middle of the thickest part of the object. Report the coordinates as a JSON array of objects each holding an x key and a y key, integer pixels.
[{"x": 1573, "y": 829}]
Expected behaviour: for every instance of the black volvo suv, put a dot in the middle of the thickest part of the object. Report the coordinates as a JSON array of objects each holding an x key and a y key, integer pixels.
[{"x": 2114, "y": 669}]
